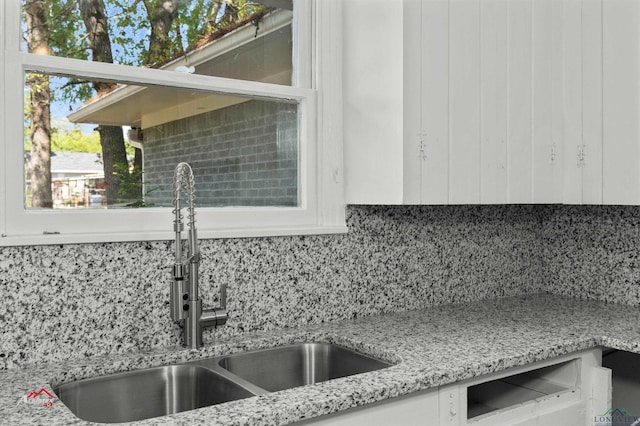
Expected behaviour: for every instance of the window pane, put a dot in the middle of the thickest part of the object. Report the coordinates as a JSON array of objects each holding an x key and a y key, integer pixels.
[
  {"x": 120, "y": 149},
  {"x": 239, "y": 39}
]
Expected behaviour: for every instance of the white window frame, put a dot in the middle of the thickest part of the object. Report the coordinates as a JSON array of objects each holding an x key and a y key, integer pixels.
[{"x": 321, "y": 208}]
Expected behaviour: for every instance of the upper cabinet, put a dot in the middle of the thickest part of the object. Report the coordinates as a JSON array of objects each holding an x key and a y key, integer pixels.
[{"x": 492, "y": 101}]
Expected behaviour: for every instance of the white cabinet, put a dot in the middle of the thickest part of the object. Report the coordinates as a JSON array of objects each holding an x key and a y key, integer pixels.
[
  {"x": 566, "y": 391},
  {"x": 620, "y": 102},
  {"x": 420, "y": 408},
  {"x": 373, "y": 103},
  {"x": 493, "y": 101},
  {"x": 601, "y": 95}
]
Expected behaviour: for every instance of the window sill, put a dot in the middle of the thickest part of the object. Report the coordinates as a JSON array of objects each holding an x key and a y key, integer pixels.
[{"x": 105, "y": 237}]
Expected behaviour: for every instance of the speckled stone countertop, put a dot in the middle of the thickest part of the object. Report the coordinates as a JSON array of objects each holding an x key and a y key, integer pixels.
[{"x": 431, "y": 347}]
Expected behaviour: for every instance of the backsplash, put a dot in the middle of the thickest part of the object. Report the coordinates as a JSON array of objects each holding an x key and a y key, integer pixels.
[
  {"x": 592, "y": 252},
  {"x": 74, "y": 301}
]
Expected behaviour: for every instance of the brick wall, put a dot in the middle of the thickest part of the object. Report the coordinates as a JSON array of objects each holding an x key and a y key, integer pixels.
[{"x": 242, "y": 155}]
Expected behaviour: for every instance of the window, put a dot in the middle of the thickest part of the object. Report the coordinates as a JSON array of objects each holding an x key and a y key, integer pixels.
[{"x": 246, "y": 92}]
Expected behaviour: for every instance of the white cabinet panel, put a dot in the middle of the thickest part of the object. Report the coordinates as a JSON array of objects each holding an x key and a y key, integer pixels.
[
  {"x": 601, "y": 398},
  {"x": 546, "y": 116},
  {"x": 420, "y": 408},
  {"x": 492, "y": 101},
  {"x": 464, "y": 101},
  {"x": 572, "y": 99},
  {"x": 568, "y": 416},
  {"x": 557, "y": 110},
  {"x": 373, "y": 104},
  {"x": 621, "y": 113},
  {"x": 493, "y": 79},
  {"x": 592, "y": 101},
  {"x": 565, "y": 391},
  {"x": 412, "y": 108},
  {"x": 520, "y": 98},
  {"x": 433, "y": 101}
]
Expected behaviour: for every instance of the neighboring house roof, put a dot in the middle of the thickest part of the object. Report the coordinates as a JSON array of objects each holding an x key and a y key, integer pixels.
[
  {"x": 76, "y": 163},
  {"x": 232, "y": 55}
]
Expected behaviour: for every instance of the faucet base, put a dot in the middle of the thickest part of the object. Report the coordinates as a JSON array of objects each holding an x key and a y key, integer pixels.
[{"x": 198, "y": 320}]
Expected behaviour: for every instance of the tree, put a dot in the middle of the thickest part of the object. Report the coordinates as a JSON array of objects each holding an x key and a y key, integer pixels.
[
  {"x": 161, "y": 15},
  {"x": 82, "y": 26},
  {"x": 111, "y": 138},
  {"x": 39, "y": 108}
]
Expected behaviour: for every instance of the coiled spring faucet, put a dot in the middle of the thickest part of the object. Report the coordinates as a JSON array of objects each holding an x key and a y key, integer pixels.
[{"x": 185, "y": 303}]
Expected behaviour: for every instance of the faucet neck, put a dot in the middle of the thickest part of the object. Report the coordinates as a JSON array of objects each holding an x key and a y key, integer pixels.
[
  {"x": 185, "y": 301},
  {"x": 183, "y": 178}
]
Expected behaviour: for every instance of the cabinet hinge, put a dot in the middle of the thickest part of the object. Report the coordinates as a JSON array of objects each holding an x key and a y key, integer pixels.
[
  {"x": 581, "y": 156},
  {"x": 422, "y": 145},
  {"x": 553, "y": 154}
]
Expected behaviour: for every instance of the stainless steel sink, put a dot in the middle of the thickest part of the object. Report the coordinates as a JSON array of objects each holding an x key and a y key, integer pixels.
[
  {"x": 148, "y": 393},
  {"x": 299, "y": 364},
  {"x": 158, "y": 391}
]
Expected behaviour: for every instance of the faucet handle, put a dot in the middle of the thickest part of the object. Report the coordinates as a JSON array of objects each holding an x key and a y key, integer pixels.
[
  {"x": 223, "y": 296},
  {"x": 221, "y": 314},
  {"x": 216, "y": 316}
]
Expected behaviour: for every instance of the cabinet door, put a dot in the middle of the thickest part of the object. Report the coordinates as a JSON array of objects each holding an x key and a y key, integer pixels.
[
  {"x": 601, "y": 101},
  {"x": 546, "y": 109},
  {"x": 432, "y": 101},
  {"x": 519, "y": 63},
  {"x": 464, "y": 102},
  {"x": 530, "y": 102},
  {"x": 373, "y": 102},
  {"x": 493, "y": 101},
  {"x": 592, "y": 107},
  {"x": 493, "y": 119},
  {"x": 490, "y": 112},
  {"x": 621, "y": 109},
  {"x": 571, "y": 15}
]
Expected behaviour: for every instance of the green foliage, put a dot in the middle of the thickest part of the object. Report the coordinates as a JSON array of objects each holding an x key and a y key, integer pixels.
[
  {"x": 130, "y": 190},
  {"x": 129, "y": 27},
  {"x": 224, "y": 16},
  {"x": 129, "y": 32},
  {"x": 69, "y": 139},
  {"x": 75, "y": 140},
  {"x": 67, "y": 37}
]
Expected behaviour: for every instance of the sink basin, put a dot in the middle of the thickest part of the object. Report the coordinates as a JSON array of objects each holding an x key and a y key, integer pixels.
[
  {"x": 300, "y": 364},
  {"x": 159, "y": 391},
  {"x": 143, "y": 394}
]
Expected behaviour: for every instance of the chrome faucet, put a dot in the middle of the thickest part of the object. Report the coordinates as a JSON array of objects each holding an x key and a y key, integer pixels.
[{"x": 185, "y": 303}]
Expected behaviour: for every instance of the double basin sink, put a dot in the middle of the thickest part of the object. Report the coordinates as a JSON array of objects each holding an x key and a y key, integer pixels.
[{"x": 159, "y": 391}]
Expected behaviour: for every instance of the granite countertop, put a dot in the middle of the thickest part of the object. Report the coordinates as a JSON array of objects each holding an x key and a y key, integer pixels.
[{"x": 431, "y": 347}]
